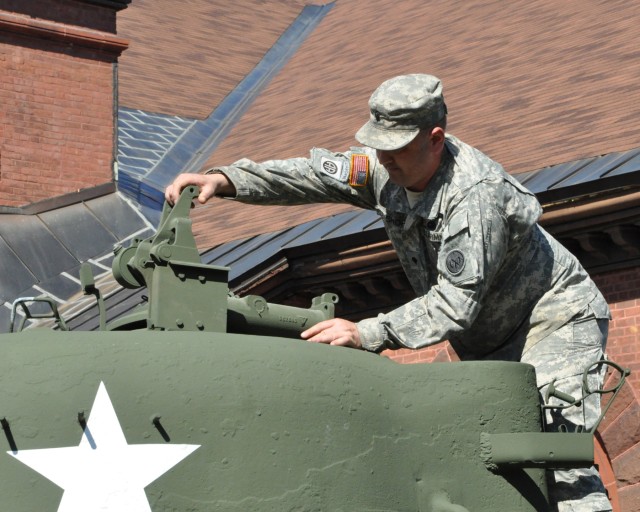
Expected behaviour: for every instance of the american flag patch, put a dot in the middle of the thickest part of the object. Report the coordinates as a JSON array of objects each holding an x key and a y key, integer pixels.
[{"x": 359, "y": 172}]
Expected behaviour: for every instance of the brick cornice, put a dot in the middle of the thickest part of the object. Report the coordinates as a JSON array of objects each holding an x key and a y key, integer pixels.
[{"x": 44, "y": 29}]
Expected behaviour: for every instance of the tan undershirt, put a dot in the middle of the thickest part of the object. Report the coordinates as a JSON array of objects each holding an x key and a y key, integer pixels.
[{"x": 413, "y": 197}]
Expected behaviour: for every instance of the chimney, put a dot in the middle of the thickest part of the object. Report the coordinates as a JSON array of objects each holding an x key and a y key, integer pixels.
[{"x": 58, "y": 87}]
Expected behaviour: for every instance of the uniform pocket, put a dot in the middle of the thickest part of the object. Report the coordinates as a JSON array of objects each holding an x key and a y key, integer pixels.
[
  {"x": 457, "y": 224},
  {"x": 588, "y": 335}
]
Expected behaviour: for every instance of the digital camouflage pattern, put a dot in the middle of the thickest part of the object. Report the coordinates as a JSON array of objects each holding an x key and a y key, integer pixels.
[
  {"x": 487, "y": 277},
  {"x": 563, "y": 356},
  {"x": 399, "y": 108},
  {"x": 471, "y": 249}
]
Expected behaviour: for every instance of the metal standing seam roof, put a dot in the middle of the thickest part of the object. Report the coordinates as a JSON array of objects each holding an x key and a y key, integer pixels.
[
  {"x": 610, "y": 170},
  {"x": 41, "y": 254}
]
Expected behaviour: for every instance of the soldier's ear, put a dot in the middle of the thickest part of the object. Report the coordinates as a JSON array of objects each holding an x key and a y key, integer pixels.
[{"x": 437, "y": 138}]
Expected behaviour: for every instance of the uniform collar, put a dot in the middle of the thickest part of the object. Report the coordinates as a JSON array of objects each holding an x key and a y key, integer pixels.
[{"x": 429, "y": 206}]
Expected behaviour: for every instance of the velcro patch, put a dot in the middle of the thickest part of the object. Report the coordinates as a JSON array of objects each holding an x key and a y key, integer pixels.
[
  {"x": 334, "y": 167},
  {"x": 455, "y": 262},
  {"x": 359, "y": 171}
]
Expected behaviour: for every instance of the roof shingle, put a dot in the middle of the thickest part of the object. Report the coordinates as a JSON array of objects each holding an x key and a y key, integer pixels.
[{"x": 532, "y": 84}]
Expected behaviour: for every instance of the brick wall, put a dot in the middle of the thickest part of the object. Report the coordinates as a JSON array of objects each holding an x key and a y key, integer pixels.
[
  {"x": 57, "y": 93},
  {"x": 442, "y": 352},
  {"x": 622, "y": 290},
  {"x": 57, "y": 124}
]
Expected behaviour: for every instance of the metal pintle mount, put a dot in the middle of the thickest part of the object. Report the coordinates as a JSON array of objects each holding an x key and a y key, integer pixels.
[{"x": 186, "y": 295}]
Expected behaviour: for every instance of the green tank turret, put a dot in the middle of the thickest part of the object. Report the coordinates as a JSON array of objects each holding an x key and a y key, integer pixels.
[{"x": 202, "y": 401}]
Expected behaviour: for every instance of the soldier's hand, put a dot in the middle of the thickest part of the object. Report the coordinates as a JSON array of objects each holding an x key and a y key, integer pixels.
[
  {"x": 335, "y": 331},
  {"x": 210, "y": 185}
]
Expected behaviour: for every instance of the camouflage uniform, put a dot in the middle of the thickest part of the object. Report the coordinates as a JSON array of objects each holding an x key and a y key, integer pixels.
[{"x": 487, "y": 277}]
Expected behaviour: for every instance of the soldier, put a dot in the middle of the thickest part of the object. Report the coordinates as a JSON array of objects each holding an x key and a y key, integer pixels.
[{"x": 487, "y": 276}]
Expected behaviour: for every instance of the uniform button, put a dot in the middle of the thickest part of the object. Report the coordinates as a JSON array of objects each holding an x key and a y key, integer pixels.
[
  {"x": 414, "y": 259},
  {"x": 431, "y": 224}
]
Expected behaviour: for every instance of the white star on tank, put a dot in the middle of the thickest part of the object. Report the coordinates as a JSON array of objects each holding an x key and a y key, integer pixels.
[{"x": 104, "y": 473}]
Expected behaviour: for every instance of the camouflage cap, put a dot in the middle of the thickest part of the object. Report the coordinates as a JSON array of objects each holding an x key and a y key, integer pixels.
[{"x": 399, "y": 108}]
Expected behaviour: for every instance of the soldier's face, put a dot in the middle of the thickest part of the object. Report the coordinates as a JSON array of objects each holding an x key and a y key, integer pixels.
[{"x": 413, "y": 165}]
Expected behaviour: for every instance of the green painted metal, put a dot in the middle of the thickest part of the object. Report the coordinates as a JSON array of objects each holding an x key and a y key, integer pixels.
[
  {"x": 282, "y": 424},
  {"x": 28, "y": 306},
  {"x": 186, "y": 295},
  {"x": 528, "y": 450}
]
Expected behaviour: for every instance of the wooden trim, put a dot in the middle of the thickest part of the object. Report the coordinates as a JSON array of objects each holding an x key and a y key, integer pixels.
[{"x": 621, "y": 202}]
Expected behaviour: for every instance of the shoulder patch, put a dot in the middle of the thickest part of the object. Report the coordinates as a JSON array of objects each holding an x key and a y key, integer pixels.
[
  {"x": 359, "y": 170},
  {"x": 455, "y": 262},
  {"x": 334, "y": 167}
]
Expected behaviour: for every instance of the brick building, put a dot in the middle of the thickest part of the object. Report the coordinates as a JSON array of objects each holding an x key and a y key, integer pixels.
[
  {"x": 58, "y": 88},
  {"x": 548, "y": 90}
]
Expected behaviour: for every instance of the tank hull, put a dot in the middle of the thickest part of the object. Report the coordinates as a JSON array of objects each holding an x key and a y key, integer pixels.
[{"x": 265, "y": 424}]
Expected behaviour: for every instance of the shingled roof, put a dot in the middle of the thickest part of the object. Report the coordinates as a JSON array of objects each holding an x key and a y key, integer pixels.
[{"x": 533, "y": 84}]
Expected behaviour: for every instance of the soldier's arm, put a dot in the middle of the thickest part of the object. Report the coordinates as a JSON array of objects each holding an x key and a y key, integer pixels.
[{"x": 324, "y": 177}]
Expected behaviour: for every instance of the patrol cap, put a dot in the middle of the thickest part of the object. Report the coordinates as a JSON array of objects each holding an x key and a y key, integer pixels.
[{"x": 399, "y": 108}]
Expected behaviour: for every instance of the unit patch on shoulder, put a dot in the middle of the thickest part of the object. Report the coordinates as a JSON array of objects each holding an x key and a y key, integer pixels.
[
  {"x": 359, "y": 170},
  {"x": 334, "y": 167},
  {"x": 455, "y": 262}
]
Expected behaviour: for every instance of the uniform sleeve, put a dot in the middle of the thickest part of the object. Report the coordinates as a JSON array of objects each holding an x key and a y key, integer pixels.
[
  {"x": 324, "y": 177},
  {"x": 474, "y": 244}
]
